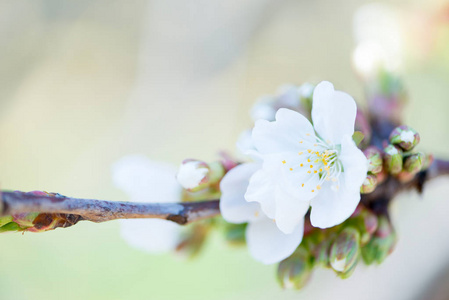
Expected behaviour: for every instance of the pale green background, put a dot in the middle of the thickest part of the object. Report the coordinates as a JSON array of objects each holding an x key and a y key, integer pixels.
[{"x": 83, "y": 83}]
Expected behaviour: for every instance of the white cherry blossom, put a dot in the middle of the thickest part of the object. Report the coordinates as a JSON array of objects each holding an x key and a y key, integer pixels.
[
  {"x": 302, "y": 165},
  {"x": 318, "y": 164}
]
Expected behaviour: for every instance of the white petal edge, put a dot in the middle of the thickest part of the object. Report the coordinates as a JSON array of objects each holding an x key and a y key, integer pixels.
[
  {"x": 333, "y": 113},
  {"x": 355, "y": 164},
  {"x": 233, "y": 206},
  {"x": 269, "y": 245},
  {"x": 283, "y": 134}
]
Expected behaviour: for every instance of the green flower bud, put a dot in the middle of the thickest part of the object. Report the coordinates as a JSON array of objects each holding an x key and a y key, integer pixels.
[
  {"x": 381, "y": 244},
  {"x": 369, "y": 185},
  {"x": 414, "y": 163},
  {"x": 295, "y": 271},
  {"x": 374, "y": 156},
  {"x": 348, "y": 273},
  {"x": 370, "y": 221},
  {"x": 367, "y": 227},
  {"x": 405, "y": 137},
  {"x": 393, "y": 159},
  {"x": 321, "y": 253},
  {"x": 345, "y": 250}
]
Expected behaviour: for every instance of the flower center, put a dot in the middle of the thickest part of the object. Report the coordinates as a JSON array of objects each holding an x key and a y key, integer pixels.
[{"x": 322, "y": 160}]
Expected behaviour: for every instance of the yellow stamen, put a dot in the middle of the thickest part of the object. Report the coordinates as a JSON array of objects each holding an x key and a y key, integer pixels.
[
  {"x": 291, "y": 169},
  {"x": 318, "y": 187},
  {"x": 311, "y": 166},
  {"x": 283, "y": 161},
  {"x": 301, "y": 165},
  {"x": 315, "y": 171},
  {"x": 313, "y": 191},
  {"x": 309, "y": 150},
  {"x": 302, "y": 185},
  {"x": 300, "y": 153}
]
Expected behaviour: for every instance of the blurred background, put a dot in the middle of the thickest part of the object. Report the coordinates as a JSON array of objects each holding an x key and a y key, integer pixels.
[{"x": 83, "y": 83}]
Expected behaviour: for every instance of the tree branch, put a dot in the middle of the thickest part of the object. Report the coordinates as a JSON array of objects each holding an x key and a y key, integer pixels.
[
  {"x": 13, "y": 203},
  {"x": 71, "y": 210}
]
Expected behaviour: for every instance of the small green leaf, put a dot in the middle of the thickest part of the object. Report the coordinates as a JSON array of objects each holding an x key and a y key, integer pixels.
[
  {"x": 358, "y": 137},
  {"x": 11, "y": 226}
]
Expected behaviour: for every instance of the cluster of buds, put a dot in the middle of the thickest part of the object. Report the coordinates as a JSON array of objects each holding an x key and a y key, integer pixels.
[
  {"x": 397, "y": 158},
  {"x": 400, "y": 159},
  {"x": 363, "y": 237},
  {"x": 35, "y": 221}
]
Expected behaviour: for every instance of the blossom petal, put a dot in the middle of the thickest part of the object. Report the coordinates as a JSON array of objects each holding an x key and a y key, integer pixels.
[
  {"x": 233, "y": 206},
  {"x": 333, "y": 206},
  {"x": 145, "y": 180},
  {"x": 333, "y": 113},
  {"x": 355, "y": 164},
  {"x": 284, "y": 134},
  {"x": 268, "y": 244},
  {"x": 261, "y": 189},
  {"x": 153, "y": 236},
  {"x": 289, "y": 211}
]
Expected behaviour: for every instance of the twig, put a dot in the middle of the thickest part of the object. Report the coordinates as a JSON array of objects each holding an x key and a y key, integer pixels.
[{"x": 13, "y": 203}]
